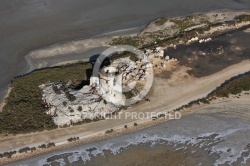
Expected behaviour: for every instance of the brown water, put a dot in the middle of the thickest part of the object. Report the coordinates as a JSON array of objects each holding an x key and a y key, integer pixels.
[
  {"x": 208, "y": 58},
  {"x": 156, "y": 155},
  {"x": 198, "y": 139},
  {"x": 26, "y": 25}
]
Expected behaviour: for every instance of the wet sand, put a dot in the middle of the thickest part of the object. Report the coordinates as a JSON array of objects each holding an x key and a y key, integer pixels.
[
  {"x": 30, "y": 25},
  {"x": 214, "y": 134}
]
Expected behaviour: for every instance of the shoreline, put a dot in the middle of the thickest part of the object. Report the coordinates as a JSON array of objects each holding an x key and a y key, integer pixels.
[
  {"x": 31, "y": 64},
  {"x": 118, "y": 131},
  {"x": 32, "y": 59},
  {"x": 107, "y": 37},
  {"x": 98, "y": 136},
  {"x": 65, "y": 144}
]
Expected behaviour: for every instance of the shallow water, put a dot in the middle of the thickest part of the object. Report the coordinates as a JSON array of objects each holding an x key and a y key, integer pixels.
[
  {"x": 27, "y": 25},
  {"x": 211, "y": 57},
  {"x": 206, "y": 139}
]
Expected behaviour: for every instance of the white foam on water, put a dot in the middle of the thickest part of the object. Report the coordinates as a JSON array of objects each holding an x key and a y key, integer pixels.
[
  {"x": 214, "y": 144},
  {"x": 74, "y": 157},
  {"x": 97, "y": 152},
  {"x": 116, "y": 147}
]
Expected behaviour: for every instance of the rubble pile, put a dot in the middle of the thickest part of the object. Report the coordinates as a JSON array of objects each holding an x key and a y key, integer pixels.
[
  {"x": 86, "y": 104},
  {"x": 104, "y": 95}
]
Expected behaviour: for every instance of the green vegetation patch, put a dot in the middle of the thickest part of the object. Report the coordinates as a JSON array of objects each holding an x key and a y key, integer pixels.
[
  {"x": 161, "y": 21},
  {"x": 243, "y": 17},
  {"x": 233, "y": 86},
  {"x": 25, "y": 110},
  {"x": 135, "y": 41}
]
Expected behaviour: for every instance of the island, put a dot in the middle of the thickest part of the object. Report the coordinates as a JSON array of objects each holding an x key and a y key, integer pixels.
[{"x": 62, "y": 105}]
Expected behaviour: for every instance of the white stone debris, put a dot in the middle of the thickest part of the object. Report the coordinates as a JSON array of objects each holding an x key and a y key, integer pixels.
[
  {"x": 111, "y": 70},
  {"x": 194, "y": 39},
  {"x": 167, "y": 57},
  {"x": 104, "y": 95},
  {"x": 94, "y": 81},
  {"x": 85, "y": 106},
  {"x": 205, "y": 40}
]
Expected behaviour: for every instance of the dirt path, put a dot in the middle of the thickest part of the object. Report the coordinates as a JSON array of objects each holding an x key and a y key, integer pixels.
[{"x": 164, "y": 98}]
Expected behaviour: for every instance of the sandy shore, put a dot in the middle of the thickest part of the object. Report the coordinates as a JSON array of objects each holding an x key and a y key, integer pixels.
[{"x": 83, "y": 49}]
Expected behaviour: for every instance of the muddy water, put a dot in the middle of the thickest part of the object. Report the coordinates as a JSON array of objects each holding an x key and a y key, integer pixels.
[
  {"x": 27, "y": 25},
  {"x": 211, "y": 57},
  {"x": 198, "y": 139}
]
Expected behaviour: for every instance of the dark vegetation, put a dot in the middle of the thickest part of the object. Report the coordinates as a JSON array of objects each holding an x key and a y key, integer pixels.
[
  {"x": 49, "y": 145},
  {"x": 96, "y": 119},
  {"x": 52, "y": 144},
  {"x": 243, "y": 17},
  {"x": 109, "y": 131},
  {"x": 142, "y": 43},
  {"x": 26, "y": 150},
  {"x": 233, "y": 86},
  {"x": 128, "y": 94},
  {"x": 161, "y": 115},
  {"x": 161, "y": 37},
  {"x": 25, "y": 110},
  {"x": 7, "y": 154},
  {"x": 73, "y": 139},
  {"x": 184, "y": 22},
  {"x": 63, "y": 88},
  {"x": 79, "y": 108}
]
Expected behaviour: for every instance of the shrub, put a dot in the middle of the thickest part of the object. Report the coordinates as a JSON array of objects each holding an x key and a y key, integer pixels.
[
  {"x": 26, "y": 149},
  {"x": 55, "y": 89},
  {"x": 65, "y": 103},
  {"x": 73, "y": 139},
  {"x": 25, "y": 110},
  {"x": 42, "y": 146},
  {"x": 8, "y": 154},
  {"x": 109, "y": 131},
  {"x": 105, "y": 102},
  {"x": 79, "y": 108},
  {"x": 71, "y": 97},
  {"x": 52, "y": 144},
  {"x": 32, "y": 149}
]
